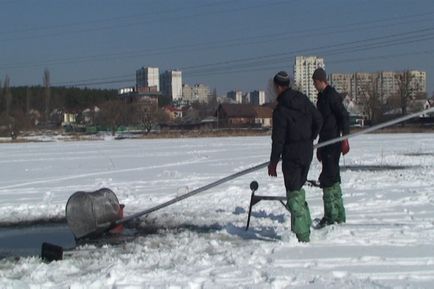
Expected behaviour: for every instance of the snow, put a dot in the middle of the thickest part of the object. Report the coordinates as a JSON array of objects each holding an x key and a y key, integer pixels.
[{"x": 387, "y": 242}]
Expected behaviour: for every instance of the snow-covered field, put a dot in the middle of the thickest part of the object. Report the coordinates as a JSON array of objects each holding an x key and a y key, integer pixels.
[{"x": 388, "y": 241}]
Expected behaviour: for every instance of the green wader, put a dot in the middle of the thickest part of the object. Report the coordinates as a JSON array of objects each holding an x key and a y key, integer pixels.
[
  {"x": 300, "y": 214},
  {"x": 334, "y": 211}
]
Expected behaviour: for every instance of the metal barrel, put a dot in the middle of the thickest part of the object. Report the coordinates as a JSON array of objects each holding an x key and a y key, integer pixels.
[{"x": 88, "y": 213}]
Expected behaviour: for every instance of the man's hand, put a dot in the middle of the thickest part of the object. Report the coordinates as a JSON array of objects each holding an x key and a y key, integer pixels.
[
  {"x": 345, "y": 147},
  {"x": 272, "y": 170}
]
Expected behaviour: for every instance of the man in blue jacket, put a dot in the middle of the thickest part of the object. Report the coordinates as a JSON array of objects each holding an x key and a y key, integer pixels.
[
  {"x": 335, "y": 123},
  {"x": 296, "y": 123}
]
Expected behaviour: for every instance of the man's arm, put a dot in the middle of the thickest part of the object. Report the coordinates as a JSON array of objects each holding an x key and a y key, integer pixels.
[
  {"x": 317, "y": 120},
  {"x": 278, "y": 135},
  {"x": 341, "y": 113}
]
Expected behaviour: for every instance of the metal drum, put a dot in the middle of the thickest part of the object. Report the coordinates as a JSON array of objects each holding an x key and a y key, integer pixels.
[{"x": 89, "y": 213}]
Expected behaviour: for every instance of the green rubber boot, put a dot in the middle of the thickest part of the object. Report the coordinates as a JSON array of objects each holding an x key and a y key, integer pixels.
[
  {"x": 339, "y": 202},
  {"x": 330, "y": 208},
  {"x": 300, "y": 215}
]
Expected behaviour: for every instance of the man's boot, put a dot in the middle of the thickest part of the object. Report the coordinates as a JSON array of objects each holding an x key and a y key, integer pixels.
[
  {"x": 300, "y": 215},
  {"x": 330, "y": 208},
  {"x": 339, "y": 202}
]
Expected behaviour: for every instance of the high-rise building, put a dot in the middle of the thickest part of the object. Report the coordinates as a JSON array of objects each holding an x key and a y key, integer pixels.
[
  {"x": 196, "y": 93},
  {"x": 257, "y": 97},
  {"x": 187, "y": 92},
  {"x": 201, "y": 92},
  {"x": 341, "y": 82},
  {"x": 360, "y": 85},
  {"x": 236, "y": 95},
  {"x": 303, "y": 70},
  {"x": 171, "y": 84},
  {"x": 149, "y": 78},
  {"x": 417, "y": 83},
  {"x": 388, "y": 84}
]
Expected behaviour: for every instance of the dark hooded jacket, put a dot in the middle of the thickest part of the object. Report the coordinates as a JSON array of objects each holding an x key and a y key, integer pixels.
[
  {"x": 296, "y": 123},
  {"x": 334, "y": 114}
]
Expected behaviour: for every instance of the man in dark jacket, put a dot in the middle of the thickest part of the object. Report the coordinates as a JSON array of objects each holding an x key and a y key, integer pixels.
[
  {"x": 336, "y": 123},
  {"x": 296, "y": 123}
]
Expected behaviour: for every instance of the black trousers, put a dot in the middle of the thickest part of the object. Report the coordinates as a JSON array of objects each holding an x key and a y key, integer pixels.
[
  {"x": 330, "y": 173},
  {"x": 294, "y": 175}
]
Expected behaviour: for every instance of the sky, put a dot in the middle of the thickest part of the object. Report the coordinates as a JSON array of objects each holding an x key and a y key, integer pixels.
[{"x": 226, "y": 44}]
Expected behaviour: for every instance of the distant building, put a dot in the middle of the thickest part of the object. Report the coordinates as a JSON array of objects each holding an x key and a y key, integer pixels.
[
  {"x": 148, "y": 90},
  {"x": 418, "y": 83},
  {"x": 264, "y": 116},
  {"x": 125, "y": 90},
  {"x": 427, "y": 105},
  {"x": 235, "y": 95},
  {"x": 174, "y": 112},
  {"x": 196, "y": 93},
  {"x": 235, "y": 115},
  {"x": 257, "y": 97},
  {"x": 360, "y": 84},
  {"x": 187, "y": 92},
  {"x": 303, "y": 71},
  {"x": 144, "y": 94},
  {"x": 341, "y": 82},
  {"x": 69, "y": 118},
  {"x": 388, "y": 85},
  {"x": 148, "y": 78},
  {"x": 89, "y": 114},
  {"x": 224, "y": 99},
  {"x": 171, "y": 84}
]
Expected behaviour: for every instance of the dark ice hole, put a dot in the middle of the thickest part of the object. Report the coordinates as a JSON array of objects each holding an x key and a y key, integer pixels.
[{"x": 23, "y": 241}]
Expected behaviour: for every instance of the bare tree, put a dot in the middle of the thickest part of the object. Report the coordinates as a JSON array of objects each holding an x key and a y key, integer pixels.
[
  {"x": 373, "y": 105},
  {"x": 28, "y": 96},
  {"x": 47, "y": 92},
  {"x": 13, "y": 117},
  {"x": 6, "y": 118},
  {"x": 113, "y": 114},
  {"x": 212, "y": 101},
  {"x": 161, "y": 117},
  {"x": 1, "y": 99},
  {"x": 145, "y": 115},
  {"x": 405, "y": 89},
  {"x": 7, "y": 95},
  {"x": 18, "y": 121}
]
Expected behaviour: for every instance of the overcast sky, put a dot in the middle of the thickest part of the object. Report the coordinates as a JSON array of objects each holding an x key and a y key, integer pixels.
[{"x": 236, "y": 44}]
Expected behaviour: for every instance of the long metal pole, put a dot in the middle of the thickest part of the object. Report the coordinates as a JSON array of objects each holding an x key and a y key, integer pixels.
[{"x": 265, "y": 164}]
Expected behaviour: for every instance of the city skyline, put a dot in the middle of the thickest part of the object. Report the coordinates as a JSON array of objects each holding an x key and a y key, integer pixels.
[{"x": 303, "y": 68}]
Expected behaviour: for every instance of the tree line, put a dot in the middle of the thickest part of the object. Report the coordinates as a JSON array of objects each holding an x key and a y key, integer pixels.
[
  {"x": 27, "y": 98},
  {"x": 42, "y": 106},
  {"x": 24, "y": 107}
]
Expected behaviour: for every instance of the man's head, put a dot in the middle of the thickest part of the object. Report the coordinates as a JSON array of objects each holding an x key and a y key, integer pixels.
[
  {"x": 281, "y": 82},
  {"x": 319, "y": 78}
]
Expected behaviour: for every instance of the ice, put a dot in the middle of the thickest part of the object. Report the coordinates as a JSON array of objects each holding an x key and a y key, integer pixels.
[{"x": 387, "y": 242}]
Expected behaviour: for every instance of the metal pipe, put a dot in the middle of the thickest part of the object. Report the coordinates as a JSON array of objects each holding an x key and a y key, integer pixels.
[{"x": 265, "y": 164}]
